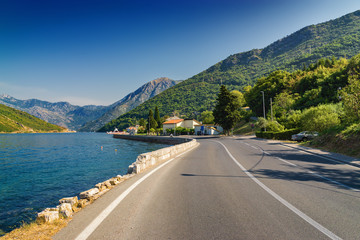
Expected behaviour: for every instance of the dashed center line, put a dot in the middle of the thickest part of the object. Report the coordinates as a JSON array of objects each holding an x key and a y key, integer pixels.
[
  {"x": 311, "y": 172},
  {"x": 292, "y": 164}
]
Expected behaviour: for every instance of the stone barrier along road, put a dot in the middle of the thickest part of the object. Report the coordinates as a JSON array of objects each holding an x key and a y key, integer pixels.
[
  {"x": 154, "y": 139},
  {"x": 142, "y": 162},
  {"x": 149, "y": 159}
]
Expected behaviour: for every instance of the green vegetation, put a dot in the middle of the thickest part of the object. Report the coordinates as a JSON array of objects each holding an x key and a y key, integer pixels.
[
  {"x": 308, "y": 99},
  {"x": 226, "y": 112},
  {"x": 12, "y": 120},
  {"x": 324, "y": 97},
  {"x": 207, "y": 117},
  {"x": 310, "y": 49}
]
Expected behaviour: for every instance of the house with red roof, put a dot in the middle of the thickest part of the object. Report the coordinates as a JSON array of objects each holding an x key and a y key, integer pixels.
[{"x": 172, "y": 123}]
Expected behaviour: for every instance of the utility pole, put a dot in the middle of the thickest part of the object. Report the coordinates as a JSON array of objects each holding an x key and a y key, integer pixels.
[
  {"x": 174, "y": 125},
  {"x": 272, "y": 118},
  {"x": 263, "y": 96}
]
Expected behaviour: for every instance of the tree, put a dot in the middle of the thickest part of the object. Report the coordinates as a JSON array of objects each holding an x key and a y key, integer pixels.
[
  {"x": 350, "y": 95},
  {"x": 239, "y": 96},
  {"x": 320, "y": 118},
  {"x": 151, "y": 120},
  {"x": 207, "y": 117},
  {"x": 142, "y": 122},
  {"x": 157, "y": 117},
  {"x": 226, "y": 111}
]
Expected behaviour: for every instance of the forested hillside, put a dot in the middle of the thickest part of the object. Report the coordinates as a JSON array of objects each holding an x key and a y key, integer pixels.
[
  {"x": 13, "y": 120},
  {"x": 336, "y": 38}
]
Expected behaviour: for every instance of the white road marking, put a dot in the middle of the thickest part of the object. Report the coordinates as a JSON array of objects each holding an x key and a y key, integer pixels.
[
  {"x": 283, "y": 201},
  {"x": 320, "y": 176},
  {"x": 317, "y": 155},
  {"x": 333, "y": 181},
  {"x": 316, "y": 174},
  {"x": 106, "y": 212},
  {"x": 292, "y": 164},
  {"x": 254, "y": 147}
]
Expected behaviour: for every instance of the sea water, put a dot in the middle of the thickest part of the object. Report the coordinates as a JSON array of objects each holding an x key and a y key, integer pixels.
[{"x": 36, "y": 170}]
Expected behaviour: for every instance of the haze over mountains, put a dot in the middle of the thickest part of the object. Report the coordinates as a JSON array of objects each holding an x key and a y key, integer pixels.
[
  {"x": 336, "y": 38},
  {"x": 129, "y": 102},
  {"x": 74, "y": 117}
]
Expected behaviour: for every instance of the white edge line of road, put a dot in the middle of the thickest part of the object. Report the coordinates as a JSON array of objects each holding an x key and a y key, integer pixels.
[
  {"x": 283, "y": 201},
  {"x": 311, "y": 172},
  {"x": 106, "y": 212},
  {"x": 320, "y": 156}
]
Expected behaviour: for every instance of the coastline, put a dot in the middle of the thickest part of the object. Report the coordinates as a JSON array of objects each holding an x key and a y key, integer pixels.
[{"x": 51, "y": 220}]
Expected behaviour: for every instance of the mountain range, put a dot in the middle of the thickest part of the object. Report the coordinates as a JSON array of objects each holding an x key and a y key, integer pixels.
[
  {"x": 13, "y": 120},
  {"x": 86, "y": 118},
  {"x": 335, "y": 38},
  {"x": 129, "y": 102}
]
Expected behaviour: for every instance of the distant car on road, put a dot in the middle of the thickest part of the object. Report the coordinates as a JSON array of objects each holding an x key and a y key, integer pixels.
[{"x": 304, "y": 136}]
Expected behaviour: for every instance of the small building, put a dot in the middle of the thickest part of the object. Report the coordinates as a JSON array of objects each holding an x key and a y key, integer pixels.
[
  {"x": 178, "y": 122},
  {"x": 191, "y": 123},
  {"x": 208, "y": 129},
  {"x": 132, "y": 130},
  {"x": 171, "y": 124}
]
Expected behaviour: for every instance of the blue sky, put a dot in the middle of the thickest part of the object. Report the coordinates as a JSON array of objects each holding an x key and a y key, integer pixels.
[{"x": 97, "y": 51}]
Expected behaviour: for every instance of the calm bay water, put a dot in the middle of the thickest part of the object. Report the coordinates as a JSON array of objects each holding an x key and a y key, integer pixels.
[{"x": 36, "y": 170}]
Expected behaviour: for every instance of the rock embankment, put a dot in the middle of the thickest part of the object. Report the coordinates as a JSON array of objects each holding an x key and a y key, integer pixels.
[{"x": 67, "y": 206}]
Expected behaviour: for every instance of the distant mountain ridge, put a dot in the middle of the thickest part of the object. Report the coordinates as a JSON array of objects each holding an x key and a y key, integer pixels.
[
  {"x": 60, "y": 113},
  {"x": 13, "y": 120},
  {"x": 335, "y": 38},
  {"x": 90, "y": 117},
  {"x": 130, "y": 101}
]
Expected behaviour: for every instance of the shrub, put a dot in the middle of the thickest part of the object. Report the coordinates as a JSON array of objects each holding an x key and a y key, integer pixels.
[
  {"x": 319, "y": 118},
  {"x": 354, "y": 129},
  {"x": 274, "y": 126},
  {"x": 293, "y": 119},
  {"x": 282, "y": 135}
]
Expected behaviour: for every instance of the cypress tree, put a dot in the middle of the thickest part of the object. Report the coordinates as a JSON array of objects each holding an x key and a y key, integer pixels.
[
  {"x": 152, "y": 121},
  {"x": 157, "y": 117},
  {"x": 226, "y": 111}
]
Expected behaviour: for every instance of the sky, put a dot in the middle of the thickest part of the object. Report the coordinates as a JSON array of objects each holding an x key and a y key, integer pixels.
[{"x": 98, "y": 51}]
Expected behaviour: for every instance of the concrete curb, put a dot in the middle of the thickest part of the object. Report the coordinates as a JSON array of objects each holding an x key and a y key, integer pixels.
[
  {"x": 142, "y": 163},
  {"x": 149, "y": 159}
]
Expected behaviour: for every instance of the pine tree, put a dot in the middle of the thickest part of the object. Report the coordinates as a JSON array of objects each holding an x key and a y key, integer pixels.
[{"x": 226, "y": 111}]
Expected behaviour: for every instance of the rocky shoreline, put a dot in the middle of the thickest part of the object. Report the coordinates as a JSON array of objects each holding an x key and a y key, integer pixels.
[{"x": 69, "y": 205}]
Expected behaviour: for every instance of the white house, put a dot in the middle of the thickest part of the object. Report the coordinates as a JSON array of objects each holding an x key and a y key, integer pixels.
[
  {"x": 171, "y": 124},
  {"x": 177, "y": 122},
  {"x": 132, "y": 130},
  {"x": 208, "y": 129}
]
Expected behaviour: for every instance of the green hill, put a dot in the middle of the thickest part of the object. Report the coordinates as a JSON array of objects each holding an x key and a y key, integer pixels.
[
  {"x": 12, "y": 120},
  {"x": 336, "y": 38}
]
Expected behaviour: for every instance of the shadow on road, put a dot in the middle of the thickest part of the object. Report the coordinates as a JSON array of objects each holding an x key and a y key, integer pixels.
[
  {"x": 341, "y": 179},
  {"x": 208, "y": 175}
]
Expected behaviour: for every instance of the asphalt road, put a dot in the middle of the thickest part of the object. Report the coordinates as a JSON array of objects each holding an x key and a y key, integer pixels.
[{"x": 230, "y": 188}]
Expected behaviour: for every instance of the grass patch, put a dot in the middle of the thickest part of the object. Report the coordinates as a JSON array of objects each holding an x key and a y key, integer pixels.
[
  {"x": 33, "y": 230},
  {"x": 244, "y": 128},
  {"x": 338, "y": 142}
]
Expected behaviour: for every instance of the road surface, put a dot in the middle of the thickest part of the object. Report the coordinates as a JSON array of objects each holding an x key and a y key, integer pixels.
[{"x": 230, "y": 188}]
